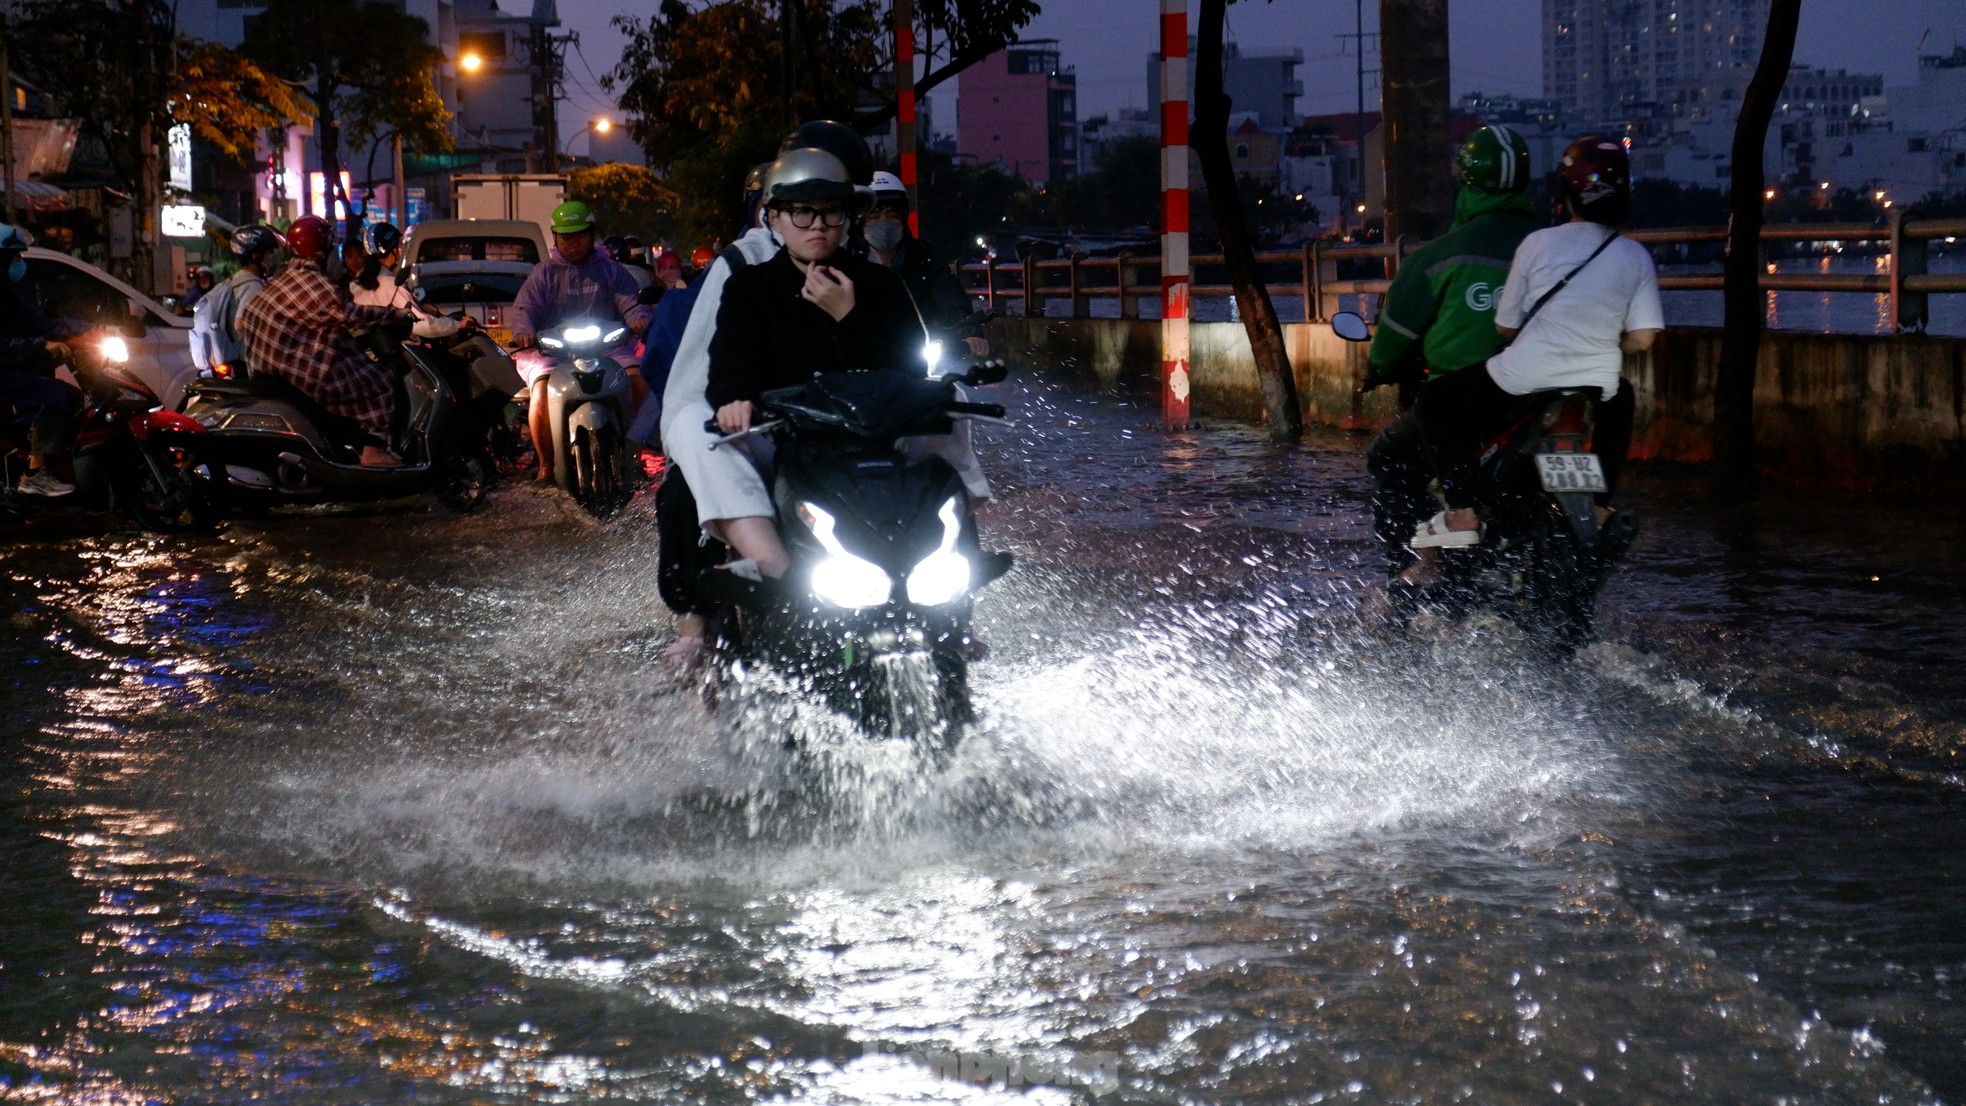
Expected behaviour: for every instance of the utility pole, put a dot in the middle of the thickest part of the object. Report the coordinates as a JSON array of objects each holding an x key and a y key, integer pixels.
[
  {"x": 548, "y": 52},
  {"x": 904, "y": 114},
  {"x": 7, "y": 118},
  {"x": 1416, "y": 106},
  {"x": 1358, "y": 38}
]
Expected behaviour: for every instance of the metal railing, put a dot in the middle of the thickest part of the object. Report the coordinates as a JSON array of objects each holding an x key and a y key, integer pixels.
[{"x": 1314, "y": 271}]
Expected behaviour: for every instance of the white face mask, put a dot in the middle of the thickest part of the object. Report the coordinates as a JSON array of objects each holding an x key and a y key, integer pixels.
[{"x": 884, "y": 234}]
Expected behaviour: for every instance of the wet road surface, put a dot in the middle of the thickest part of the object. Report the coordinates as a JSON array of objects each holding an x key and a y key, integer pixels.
[{"x": 393, "y": 806}]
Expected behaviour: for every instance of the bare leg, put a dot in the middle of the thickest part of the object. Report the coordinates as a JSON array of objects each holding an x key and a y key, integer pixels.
[
  {"x": 755, "y": 537},
  {"x": 541, "y": 426}
]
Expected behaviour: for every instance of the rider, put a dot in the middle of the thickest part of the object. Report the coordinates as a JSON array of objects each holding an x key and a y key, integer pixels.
[
  {"x": 215, "y": 339},
  {"x": 811, "y": 308},
  {"x": 939, "y": 296},
  {"x": 32, "y": 346},
  {"x": 375, "y": 285},
  {"x": 1439, "y": 317},
  {"x": 299, "y": 328},
  {"x": 576, "y": 281},
  {"x": 1571, "y": 316}
]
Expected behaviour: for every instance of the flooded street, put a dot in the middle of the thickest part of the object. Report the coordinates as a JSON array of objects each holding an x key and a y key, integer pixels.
[{"x": 395, "y": 806}]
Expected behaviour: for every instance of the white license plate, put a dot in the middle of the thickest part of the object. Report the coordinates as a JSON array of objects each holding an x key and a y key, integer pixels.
[{"x": 1570, "y": 472}]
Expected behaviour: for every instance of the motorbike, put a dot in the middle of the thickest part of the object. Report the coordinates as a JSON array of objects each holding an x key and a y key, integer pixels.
[
  {"x": 873, "y": 616},
  {"x": 282, "y": 448},
  {"x": 1543, "y": 555},
  {"x": 128, "y": 453},
  {"x": 589, "y": 404}
]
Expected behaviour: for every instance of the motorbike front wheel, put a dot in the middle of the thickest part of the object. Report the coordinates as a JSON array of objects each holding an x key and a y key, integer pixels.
[
  {"x": 464, "y": 477},
  {"x": 170, "y": 489},
  {"x": 597, "y": 468},
  {"x": 920, "y": 697}
]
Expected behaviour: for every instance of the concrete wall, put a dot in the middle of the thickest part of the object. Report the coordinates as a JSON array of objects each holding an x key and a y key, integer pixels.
[{"x": 1852, "y": 411}]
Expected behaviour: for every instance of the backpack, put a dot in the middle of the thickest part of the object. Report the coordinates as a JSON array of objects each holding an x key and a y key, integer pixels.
[{"x": 214, "y": 318}]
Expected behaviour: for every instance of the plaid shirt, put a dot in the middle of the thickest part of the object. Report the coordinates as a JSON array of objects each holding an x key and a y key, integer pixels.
[{"x": 297, "y": 328}]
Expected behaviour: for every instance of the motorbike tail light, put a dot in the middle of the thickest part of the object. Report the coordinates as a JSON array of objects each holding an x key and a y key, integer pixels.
[
  {"x": 1567, "y": 417},
  {"x": 224, "y": 371}
]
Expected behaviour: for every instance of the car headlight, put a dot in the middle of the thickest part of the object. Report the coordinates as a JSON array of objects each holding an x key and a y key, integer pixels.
[
  {"x": 115, "y": 349},
  {"x": 932, "y": 355},
  {"x": 942, "y": 576},
  {"x": 843, "y": 579}
]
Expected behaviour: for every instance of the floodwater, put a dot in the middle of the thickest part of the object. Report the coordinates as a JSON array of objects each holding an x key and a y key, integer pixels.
[{"x": 391, "y": 806}]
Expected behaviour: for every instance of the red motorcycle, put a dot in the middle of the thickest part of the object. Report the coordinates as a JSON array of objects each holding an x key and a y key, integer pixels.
[{"x": 128, "y": 454}]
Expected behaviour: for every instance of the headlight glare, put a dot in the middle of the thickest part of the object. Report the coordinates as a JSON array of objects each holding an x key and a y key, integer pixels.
[
  {"x": 940, "y": 578},
  {"x": 582, "y": 333},
  {"x": 848, "y": 581},
  {"x": 932, "y": 355},
  {"x": 116, "y": 349}
]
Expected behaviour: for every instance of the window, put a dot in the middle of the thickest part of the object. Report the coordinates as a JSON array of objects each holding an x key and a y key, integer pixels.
[
  {"x": 1915, "y": 145},
  {"x": 485, "y": 44},
  {"x": 61, "y": 289},
  {"x": 479, "y": 249}
]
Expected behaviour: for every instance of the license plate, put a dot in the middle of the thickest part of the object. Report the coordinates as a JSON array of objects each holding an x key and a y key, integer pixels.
[
  {"x": 1570, "y": 472},
  {"x": 499, "y": 334}
]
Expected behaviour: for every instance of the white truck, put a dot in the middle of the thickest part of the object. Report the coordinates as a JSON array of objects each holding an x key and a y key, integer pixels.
[{"x": 529, "y": 196}]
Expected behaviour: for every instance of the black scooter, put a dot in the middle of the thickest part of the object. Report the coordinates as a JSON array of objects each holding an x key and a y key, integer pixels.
[
  {"x": 1543, "y": 556},
  {"x": 873, "y": 616},
  {"x": 281, "y": 448}
]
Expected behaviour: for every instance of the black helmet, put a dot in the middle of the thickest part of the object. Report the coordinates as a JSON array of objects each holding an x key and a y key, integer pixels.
[
  {"x": 807, "y": 175},
  {"x": 637, "y": 252},
  {"x": 838, "y": 139},
  {"x": 1597, "y": 178},
  {"x": 379, "y": 239},
  {"x": 617, "y": 247},
  {"x": 254, "y": 239}
]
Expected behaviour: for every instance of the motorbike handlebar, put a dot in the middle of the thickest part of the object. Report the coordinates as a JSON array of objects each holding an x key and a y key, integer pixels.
[{"x": 987, "y": 410}]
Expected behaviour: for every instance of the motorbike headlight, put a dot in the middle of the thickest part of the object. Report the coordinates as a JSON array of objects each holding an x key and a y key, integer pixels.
[
  {"x": 939, "y": 578},
  {"x": 932, "y": 355},
  {"x": 579, "y": 334},
  {"x": 614, "y": 335},
  {"x": 552, "y": 343},
  {"x": 850, "y": 582},
  {"x": 115, "y": 349},
  {"x": 843, "y": 579},
  {"x": 942, "y": 576}
]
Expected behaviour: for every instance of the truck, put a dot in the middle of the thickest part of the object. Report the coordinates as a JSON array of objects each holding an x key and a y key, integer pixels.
[{"x": 529, "y": 196}]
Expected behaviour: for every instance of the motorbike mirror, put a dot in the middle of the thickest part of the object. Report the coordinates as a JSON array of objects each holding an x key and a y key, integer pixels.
[
  {"x": 1350, "y": 326},
  {"x": 651, "y": 295},
  {"x": 989, "y": 372}
]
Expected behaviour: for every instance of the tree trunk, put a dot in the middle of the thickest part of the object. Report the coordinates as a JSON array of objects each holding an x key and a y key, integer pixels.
[
  {"x": 1417, "y": 105},
  {"x": 328, "y": 134},
  {"x": 1740, "y": 343},
  {"x": 1210, "y": 141}
]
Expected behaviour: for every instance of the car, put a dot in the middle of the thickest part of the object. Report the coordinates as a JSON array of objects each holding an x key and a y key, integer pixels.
[
  {"x": 159, "y": 339},
  {"x": 476, "y": 266}
]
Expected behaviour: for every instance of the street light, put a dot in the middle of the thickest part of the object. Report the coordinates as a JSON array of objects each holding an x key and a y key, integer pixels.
[
  {"x": 599, "y": 125},
  {"x": 471, "y": 62}
]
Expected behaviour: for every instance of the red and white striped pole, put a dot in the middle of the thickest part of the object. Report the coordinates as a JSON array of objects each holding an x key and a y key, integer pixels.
[
  {"x": 1174, "y": 276},
  {"x": 904, "y": 83}
]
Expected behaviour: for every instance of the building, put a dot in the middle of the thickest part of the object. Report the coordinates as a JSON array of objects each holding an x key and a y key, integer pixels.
[
  {"x": 506, "y": 97},
  {"x": 1611, "y": 60},
  {"x": 1018, "y": 108},
  {"x": 1262, "y": 85},
  {"x": 1101, "y": 131}
]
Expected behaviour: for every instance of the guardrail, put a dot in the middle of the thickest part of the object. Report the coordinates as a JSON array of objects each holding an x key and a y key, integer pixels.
[{"x": 1313, "y": 271}]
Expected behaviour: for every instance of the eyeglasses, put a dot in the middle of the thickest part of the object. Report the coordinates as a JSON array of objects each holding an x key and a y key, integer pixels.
[{"x": 804, "y": 217}]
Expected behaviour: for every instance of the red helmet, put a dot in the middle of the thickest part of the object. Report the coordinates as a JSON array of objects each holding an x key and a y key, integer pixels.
[
  {"x": 1597, "y": 177},
  {"x": 310, "y": 236},
  {"x": 701, "y": 257}
]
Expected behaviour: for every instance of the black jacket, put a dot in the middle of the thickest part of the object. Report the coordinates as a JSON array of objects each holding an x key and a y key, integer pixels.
[
  {"x": 937, "y": 292},
  {"x": 25, "y": 332},
  {"x": 769, "y": 337}
]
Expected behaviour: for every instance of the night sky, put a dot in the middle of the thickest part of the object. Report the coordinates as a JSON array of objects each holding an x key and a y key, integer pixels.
[{"x": 1495, "y": 45}]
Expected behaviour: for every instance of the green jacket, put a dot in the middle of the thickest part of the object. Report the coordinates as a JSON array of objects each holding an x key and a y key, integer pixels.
[{"x": 1439, "y": 314}]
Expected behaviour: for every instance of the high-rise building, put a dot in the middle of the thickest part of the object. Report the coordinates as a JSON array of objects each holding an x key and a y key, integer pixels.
[
  {"x": 1019, "y": 108},
  {"x": 1612, "y": 60}
]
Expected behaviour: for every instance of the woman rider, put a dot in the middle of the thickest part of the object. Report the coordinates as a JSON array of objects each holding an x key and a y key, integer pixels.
[{"x": 810, "y": 308}]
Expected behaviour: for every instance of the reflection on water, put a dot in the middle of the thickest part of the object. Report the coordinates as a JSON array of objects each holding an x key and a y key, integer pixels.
[{"x": 398, "y": 807}]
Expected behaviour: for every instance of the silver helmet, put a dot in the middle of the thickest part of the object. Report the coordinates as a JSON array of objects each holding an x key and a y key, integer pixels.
[{"x": 808, "y": 175}]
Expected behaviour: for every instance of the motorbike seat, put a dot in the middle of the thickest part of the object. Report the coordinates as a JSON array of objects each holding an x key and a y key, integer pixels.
[{"x": 337, "y": 428}]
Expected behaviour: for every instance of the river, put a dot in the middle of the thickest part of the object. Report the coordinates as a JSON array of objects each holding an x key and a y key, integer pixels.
[{"x": 393, "y": 806}]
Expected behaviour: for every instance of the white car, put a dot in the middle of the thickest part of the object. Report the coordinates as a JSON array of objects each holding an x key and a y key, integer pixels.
[
  {"x": 159, "y": 339},
  {"x": 476, "y": 266}
]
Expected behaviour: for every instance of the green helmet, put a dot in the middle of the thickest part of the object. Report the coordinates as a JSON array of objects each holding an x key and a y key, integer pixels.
[
  {"x": 572, "y": 217},
  {"x": 1493, "y": 159}
]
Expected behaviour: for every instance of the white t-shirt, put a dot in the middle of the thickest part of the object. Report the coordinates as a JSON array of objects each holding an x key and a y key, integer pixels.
[
  {"x": 387, "y": 293},
  {"x": 1573, "y": 341}
]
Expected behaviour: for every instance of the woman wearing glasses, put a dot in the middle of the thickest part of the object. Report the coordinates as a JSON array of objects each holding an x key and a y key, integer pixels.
[{"x": 811, "y": 308}]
